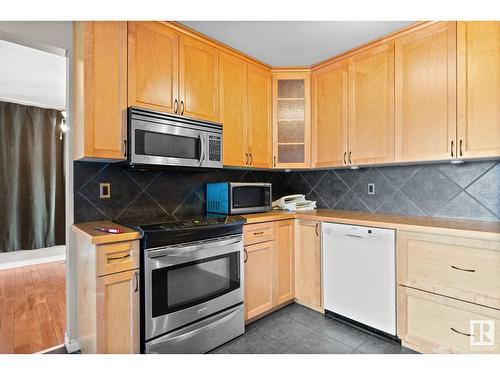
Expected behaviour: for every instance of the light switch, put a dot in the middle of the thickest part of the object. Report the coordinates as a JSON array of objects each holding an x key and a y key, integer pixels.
[
  {"x": 104, "y": 190},
  {"x": 371, "y": 188}
]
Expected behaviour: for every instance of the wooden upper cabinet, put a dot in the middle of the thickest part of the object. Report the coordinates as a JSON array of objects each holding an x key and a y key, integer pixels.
[
  {"x": 425, "y": 83},
  {"x": 259, "y": 116},
  {"x": 478, "y": 89},
  {"x": 233, "y": 109},
  {"x": 330, "y": 125},
  {"x": 199, "y": 79},
  {"x": 100, "y": 90},
  {"x": 153, "y": 66},
  {"x": 371, "y": 106},
  {"x": 291, "y": 120}
]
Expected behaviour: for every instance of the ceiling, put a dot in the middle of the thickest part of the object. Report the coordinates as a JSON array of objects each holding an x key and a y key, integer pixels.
[
  {"x": 294, "y": 43},
  {"x": 32, "y": 77}
]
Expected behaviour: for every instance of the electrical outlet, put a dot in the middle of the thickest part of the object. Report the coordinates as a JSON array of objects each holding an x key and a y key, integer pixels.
[
  {"x": 104, "y": 190},
  {"x": 371, "y": 188}
]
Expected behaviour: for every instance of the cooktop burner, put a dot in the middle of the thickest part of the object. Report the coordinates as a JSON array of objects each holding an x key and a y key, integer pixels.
[{"x": 186, "y": 230}]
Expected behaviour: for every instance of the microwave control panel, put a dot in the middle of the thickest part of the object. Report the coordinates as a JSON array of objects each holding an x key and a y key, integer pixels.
[{"x": 214, "y": 148}]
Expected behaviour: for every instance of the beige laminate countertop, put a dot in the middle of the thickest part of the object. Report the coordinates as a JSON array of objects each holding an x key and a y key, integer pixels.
[
  {"x": 97, "y": 237},
  {"x": 467, "y": 228}
]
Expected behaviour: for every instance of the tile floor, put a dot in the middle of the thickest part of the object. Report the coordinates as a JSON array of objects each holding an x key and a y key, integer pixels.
[{"x": 298, "y": 329}]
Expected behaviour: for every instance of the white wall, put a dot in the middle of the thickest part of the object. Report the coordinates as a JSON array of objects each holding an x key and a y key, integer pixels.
[{"x": 58, "y": 34}]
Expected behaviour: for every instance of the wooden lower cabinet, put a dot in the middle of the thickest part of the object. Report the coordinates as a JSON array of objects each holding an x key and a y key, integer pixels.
[
  {"x": 284, "y": 272},
  {"x": 108, "y": 295},
  {"x": 308, "y": 264},
  {"x": 259, "y": 269},
  {"x": 269, "y": 266},
  {"x": 431, "y": 323},
  {"x": 118, "y": 313}
]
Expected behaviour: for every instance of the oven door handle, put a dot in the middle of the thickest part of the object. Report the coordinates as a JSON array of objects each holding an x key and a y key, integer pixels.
[{"x": 175, "y": 252}]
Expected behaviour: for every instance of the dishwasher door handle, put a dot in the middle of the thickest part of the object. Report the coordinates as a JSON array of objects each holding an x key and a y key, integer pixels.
[{"x": 354, "y": 235}]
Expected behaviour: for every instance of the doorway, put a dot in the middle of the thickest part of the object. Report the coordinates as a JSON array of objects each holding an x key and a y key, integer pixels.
[{"x": 33, "y": 247}]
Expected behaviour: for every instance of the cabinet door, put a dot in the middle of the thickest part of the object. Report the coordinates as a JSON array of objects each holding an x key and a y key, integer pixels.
[
  {"x": 371, "y": 106},
  {"x": 233, "y": 109},
  {"x": 153, "y": 66},
  {"x": 425, "y": 82},
  {"x": 199, "y": 79},
  {"x": 118, "y": 313},
  {"x": 478, "y": 89},
  {"x": 285, "y": 248},
  {"x": 259, "y": 116},
  {"x": 258, "y": 278},
  {"x": 308, "y": 264},
  {"x": 330, "y": 129},
  {"x": 100, "y": 90},
  {"x": 291, "y": 120}
]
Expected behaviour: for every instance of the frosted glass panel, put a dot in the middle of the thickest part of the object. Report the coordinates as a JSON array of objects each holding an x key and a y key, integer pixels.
[
  {"x": 291, "y": 109},
  {"x": 291, "y": 88},
  {"x": 290, "y": 131},
  {"x": 291, "y": 153}
]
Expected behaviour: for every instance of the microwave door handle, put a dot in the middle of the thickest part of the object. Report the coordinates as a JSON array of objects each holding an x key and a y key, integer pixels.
[{"x": 201, "y": 148}]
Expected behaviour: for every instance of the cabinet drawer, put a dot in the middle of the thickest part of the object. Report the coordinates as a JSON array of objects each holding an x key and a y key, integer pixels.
[
  {"x": 260, "y": 232},
  {"x": 432, "y": 323},
  {"x": 117, "y": 257},
  {"x": 463, "y": 268}
]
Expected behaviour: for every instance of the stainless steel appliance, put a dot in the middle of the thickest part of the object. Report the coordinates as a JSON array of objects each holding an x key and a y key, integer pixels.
[
  {"x": 234, "y": 198},
  {"x": 192, "y": 289},
  {"x": 156, "y": 138}
]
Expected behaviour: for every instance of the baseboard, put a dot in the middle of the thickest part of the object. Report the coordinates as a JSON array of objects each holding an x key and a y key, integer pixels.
[
  {"x": 25, "y": 258},
  {"x": 71, "y": 345}
]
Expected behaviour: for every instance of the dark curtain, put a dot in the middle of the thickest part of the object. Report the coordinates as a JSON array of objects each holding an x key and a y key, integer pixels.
[{"x": 31, "y": 178}]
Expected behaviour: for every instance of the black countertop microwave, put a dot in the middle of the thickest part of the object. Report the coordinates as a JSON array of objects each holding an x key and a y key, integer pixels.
[{"x": 234, "y": 198}]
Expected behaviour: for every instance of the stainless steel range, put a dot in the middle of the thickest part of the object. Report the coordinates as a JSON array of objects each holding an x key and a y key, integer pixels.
[{"x": 192, "y": 284}]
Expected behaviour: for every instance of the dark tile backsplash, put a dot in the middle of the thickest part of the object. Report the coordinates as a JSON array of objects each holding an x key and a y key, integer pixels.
[
  {"x": 463, "y": 191},
  {"x": 468, "y": 191},
  {"x": 152, "y": 195}
]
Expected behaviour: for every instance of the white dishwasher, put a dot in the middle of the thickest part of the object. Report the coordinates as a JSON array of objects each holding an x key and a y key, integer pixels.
[{"x": 359, "y": 280}]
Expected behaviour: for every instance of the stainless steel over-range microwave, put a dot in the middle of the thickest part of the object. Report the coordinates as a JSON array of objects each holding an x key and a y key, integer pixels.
[{"x": 156, "y": 138}]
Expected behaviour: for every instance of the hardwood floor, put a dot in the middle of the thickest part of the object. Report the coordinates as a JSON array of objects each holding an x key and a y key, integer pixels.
[{"x": 32, "y": 307}]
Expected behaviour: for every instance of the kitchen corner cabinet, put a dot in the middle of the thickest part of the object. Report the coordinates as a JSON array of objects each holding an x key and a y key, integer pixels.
[
  {"x": 291, "y": 120},
  {"x": 308, "y": 264},
  {"x": 329, "y": 113},
  {"x": 371, "y": 106},
  {"x": 172, "y": 72},
  {"x": 425, "y": 83},
  {"x": 108, "y": 290},
  {"x": 100, "y": 90},
  {"x": 478, "y": 95}
]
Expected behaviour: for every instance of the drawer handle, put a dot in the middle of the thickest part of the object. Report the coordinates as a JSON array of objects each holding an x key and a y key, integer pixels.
[
  {"x": 246, "y": 255},
  {"x": 460, "y": 333},
  {"x": 136, "y": 276},
  {"x": 258, "y": 233},
  {"x": 118, "y": 258},
  {"x": 462, "y": 269}
]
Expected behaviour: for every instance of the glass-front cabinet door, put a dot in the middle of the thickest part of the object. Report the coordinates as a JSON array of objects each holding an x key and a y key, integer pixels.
[{"x": 291, "y": 120}]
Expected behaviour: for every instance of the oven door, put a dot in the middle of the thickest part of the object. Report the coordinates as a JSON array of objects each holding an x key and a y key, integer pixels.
[
  {"x": 250, "y": 197},
  {"x": 167, "y": 144},
  {"x": 185, "y": 283}
]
